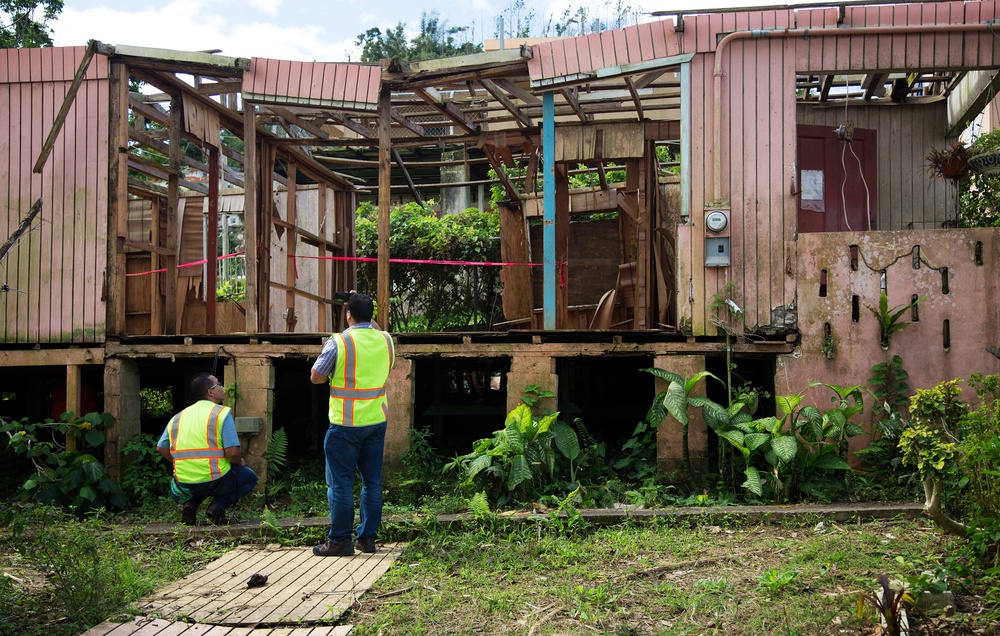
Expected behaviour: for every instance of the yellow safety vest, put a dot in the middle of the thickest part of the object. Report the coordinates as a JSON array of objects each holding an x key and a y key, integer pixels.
[
  {"x": 357, "y": 384},
  {"x": 196, "y": 443}
]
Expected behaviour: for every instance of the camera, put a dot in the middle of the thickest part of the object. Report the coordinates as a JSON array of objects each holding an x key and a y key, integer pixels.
[{"x": 341, "y": 297}]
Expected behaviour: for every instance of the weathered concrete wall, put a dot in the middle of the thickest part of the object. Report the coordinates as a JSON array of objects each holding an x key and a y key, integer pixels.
[
  {"x": 400, "y": 394},
  {"x": 254, "y": 377},
  {"x": 529, "y": 369},
  {"x": 669, "y": 434},
  {"x": 121, "y": 399},
  {"x": 914, "y": 263}
]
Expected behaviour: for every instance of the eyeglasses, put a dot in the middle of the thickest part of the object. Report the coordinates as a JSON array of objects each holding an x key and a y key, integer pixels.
[{"x": 215, "y": 386}]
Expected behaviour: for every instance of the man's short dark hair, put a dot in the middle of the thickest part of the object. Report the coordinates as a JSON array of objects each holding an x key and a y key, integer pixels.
[
  {"x": 361, "y": 307},
  {"x": 201, "y": 384}
]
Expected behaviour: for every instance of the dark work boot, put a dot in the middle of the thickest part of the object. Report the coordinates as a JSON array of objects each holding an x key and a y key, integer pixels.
[
  {"x": 334, "y": 548},
  {"x": 188, "y": 513},
  {"x": 366, "y": 544},
  {"x": 216, "y": 515}
]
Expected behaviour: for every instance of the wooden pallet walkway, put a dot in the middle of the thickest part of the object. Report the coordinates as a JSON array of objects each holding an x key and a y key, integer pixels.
[
  {"x": 161, "y": 627},
  {"x": 301, "y": 590}
]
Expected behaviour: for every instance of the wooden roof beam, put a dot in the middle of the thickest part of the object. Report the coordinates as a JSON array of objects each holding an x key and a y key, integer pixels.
[
  {"x": 301, "y": 122},
  {"x": 508, "y": 185},
  {"x": 649, "y": 78},
  {"x": 501, "y": 97},
  {"x": 525, "y": 96},
  {"x": 406, "y": 176},
  {"x": 436, "y": 101},
  {"x": 635, "y": 97},
  {"x": 873, "y": 85},
  {"x": 826, "y": 83},
  {"x": 403, "y": 121},
  {"x": 348, "y": 123},
  {"x": 571, "y": 97}
]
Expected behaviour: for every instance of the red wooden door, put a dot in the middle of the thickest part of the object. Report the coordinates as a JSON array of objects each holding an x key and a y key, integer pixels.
[{"x": 837, "y": 180}]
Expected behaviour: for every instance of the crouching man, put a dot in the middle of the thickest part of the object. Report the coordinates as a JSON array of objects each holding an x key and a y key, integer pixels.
[{"x": 202, "y": 444}]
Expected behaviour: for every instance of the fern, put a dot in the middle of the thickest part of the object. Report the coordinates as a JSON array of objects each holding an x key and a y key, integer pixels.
[
  {"x": 277, "y": 452},
  {"x": 478, "y": 505},
  {"x": 269, "y": 519}
]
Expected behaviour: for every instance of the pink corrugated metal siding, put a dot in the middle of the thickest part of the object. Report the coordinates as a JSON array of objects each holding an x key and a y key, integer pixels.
[
  {"x": 331, "y": 84},
  {"x": 58, "y": 268}
]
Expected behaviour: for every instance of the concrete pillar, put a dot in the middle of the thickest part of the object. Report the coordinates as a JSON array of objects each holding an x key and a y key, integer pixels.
[
  {"x": 527, "y": 370},
  {"x": 401, "y": 395},
  {"x": 454, "y": 200},
  {"x": 121, "y": 399},
  {"x": 669, "y": 434},
  {"x": 254, "y": 379}
]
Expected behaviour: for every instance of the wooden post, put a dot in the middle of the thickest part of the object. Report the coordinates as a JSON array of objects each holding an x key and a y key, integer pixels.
[
  {"x": 173, "y": 200},
  {"x": 562, "y": 246},
  {"x": 155, "y": 293},
  {"x": 121, "y": 399},
  {"x": 291, "y": 238},
  {"x": 321, "y": 231},
  {"x": 212, "y": 244},
  {"x": 549, "y": 214},
  {"x": 384, "y": 200},
  {"x": 251, "y": 232},
  {"x": 72, "y": 399},
  {"x": 117, "y": 195}
]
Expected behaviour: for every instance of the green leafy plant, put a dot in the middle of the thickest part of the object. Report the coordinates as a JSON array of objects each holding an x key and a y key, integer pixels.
[
  {"x": 775, "y": 580},
  {"x": 949, "y": 163},
  {"x": 676, "y": 400},
  {"x": 145, "y": 475},
  {"x": 233, "y": 290},
  {"x": 73, "y": 479},
  {"x": 889, "y": 319},
  {"x": 890, "y": 606},
  {"x": 979, "y": 193},
  {"x": 518, "y": 455},
  {"x": 889, "y": 387}
]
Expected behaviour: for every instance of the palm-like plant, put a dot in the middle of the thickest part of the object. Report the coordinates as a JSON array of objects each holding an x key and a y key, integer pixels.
[{"x": 676, "y": 400}]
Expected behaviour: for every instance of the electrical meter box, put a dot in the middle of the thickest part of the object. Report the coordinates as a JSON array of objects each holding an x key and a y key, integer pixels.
[
  {"x": 251, "y": 425},
  {"x": 717, "y": 252}
]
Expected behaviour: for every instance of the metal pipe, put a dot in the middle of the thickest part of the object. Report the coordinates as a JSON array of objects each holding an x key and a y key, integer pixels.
[{"x": 801, "y": 33}]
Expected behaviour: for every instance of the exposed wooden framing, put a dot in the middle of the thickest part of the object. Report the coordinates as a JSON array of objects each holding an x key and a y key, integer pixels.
[
  {"x": 531, "y": 171},
  {"x": 147, "y": 140},
  {"x": 171, "y": 60},
  {"x": 118, "y": 184},
  {"x": 373, "y": 163},
  {"x": 384, "y": 201},
  {"x": 524, "y": 95},
  {"x": 873, "y": 85},
  {"x": 405, "y": 122},
  {"x": 301, "y": 122},
  {"x": 141, "y": 165},
  {"x": 562, "y": 246},
  {"x": 10, "y": 358},
  {"x": 571, "y": 97},
  {"x": 515, "y": 248},
  {"x": 155, "y": 302},
  {"x": 826, "y": 85},
  {"x": 350, "y": 124},
  {"x": 290, "y": 250},
  {"x": 635, "y": 97},
  {"x": 448, "y": 109},
  {"x": 139, "y": 246},
  {"x": 173, "y": 313},
  {"x": 648, "y": 78},
  {"x": 211, "y": 267},
  {"x": 406, "y": 176},
  {"x": 602, "y": 175},
  {"x": 455, "y": 70},
  {"x": 265, "y": 212},
  {"x": 322, "y": 264},
  {"x": 60, "y": 119},
  {"x": 508, "y": 185},
  {"x": 305, "y": 236},
  {"x": 499, "y": 95},
  {"x": 252, "y": 236},
  {"x": 151, "y": 190},
  {"x": 72, "y": 400},
  {"x": 295, "y": 291}
]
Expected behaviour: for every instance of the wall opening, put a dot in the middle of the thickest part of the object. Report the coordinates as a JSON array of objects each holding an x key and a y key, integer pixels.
[
  {"x": 750, "y": 373},
  {"x": 459, "y": 400},
  {"x": 944, "y": 280},
  {"x": 916, "y": 257},
  {"x": 854, "y": 258},
  {"x": 301, "y": 408},
  {"x": 979, "y": 254},
  {"x": 822, "y": 283},
  {"x": 946, "y": 334},
  {"x": 915, "y": 312},
  {"x": 855, "y": 308}
]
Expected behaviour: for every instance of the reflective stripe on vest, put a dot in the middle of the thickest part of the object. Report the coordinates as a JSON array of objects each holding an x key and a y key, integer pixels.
[
  {"x": 196, "y": 443},
  {"x": 357, "y": 391}
]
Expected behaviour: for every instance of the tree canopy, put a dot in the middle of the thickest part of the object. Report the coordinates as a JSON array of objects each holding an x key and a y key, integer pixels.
[
  {"x": 435, "y": 40},
  {"x": 22, "y": 27}
]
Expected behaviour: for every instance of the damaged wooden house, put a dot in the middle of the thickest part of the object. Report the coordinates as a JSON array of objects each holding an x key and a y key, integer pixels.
[{"x": 169, "y": 212}]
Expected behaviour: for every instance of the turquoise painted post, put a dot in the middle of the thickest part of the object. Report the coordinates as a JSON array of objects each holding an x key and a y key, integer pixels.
[{"x": 549, "y": 214}]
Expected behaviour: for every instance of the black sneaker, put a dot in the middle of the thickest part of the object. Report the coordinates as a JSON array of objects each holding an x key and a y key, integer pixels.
[
  {"x": 366, "y": 544},
  {"x": 334, "y": 548},
  {"x": 188, "y": 514},
  {"x": 216, "y": 515}
]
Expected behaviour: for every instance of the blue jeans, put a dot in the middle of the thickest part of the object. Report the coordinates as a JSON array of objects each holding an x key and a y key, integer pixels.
[
  {"x": 226, "y": 490},
  {"x": 350, "y": 448}
]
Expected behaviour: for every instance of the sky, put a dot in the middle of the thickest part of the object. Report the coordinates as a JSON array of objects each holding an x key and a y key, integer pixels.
[{"x": 305, "y": 30}]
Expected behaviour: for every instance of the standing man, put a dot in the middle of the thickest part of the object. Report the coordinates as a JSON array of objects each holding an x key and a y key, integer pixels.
[
  {"x": 356, "y": 363},
  {"x": 202, "y": 444}
]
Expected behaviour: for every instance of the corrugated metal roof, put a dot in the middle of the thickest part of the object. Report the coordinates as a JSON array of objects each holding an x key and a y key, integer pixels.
[{"x": 321, "y": 84}]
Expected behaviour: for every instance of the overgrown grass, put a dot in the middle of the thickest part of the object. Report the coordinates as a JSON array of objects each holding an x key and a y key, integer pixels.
[{"x": 658, "y": 578}]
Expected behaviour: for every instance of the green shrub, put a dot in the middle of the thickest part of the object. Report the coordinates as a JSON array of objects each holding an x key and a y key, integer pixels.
[{"x": 146, "y": 475}]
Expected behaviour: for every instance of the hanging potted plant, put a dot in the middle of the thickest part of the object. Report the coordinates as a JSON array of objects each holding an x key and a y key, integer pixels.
[
  {"x": 984, "y": 154},
  {"x": 950, "y": 163}
]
